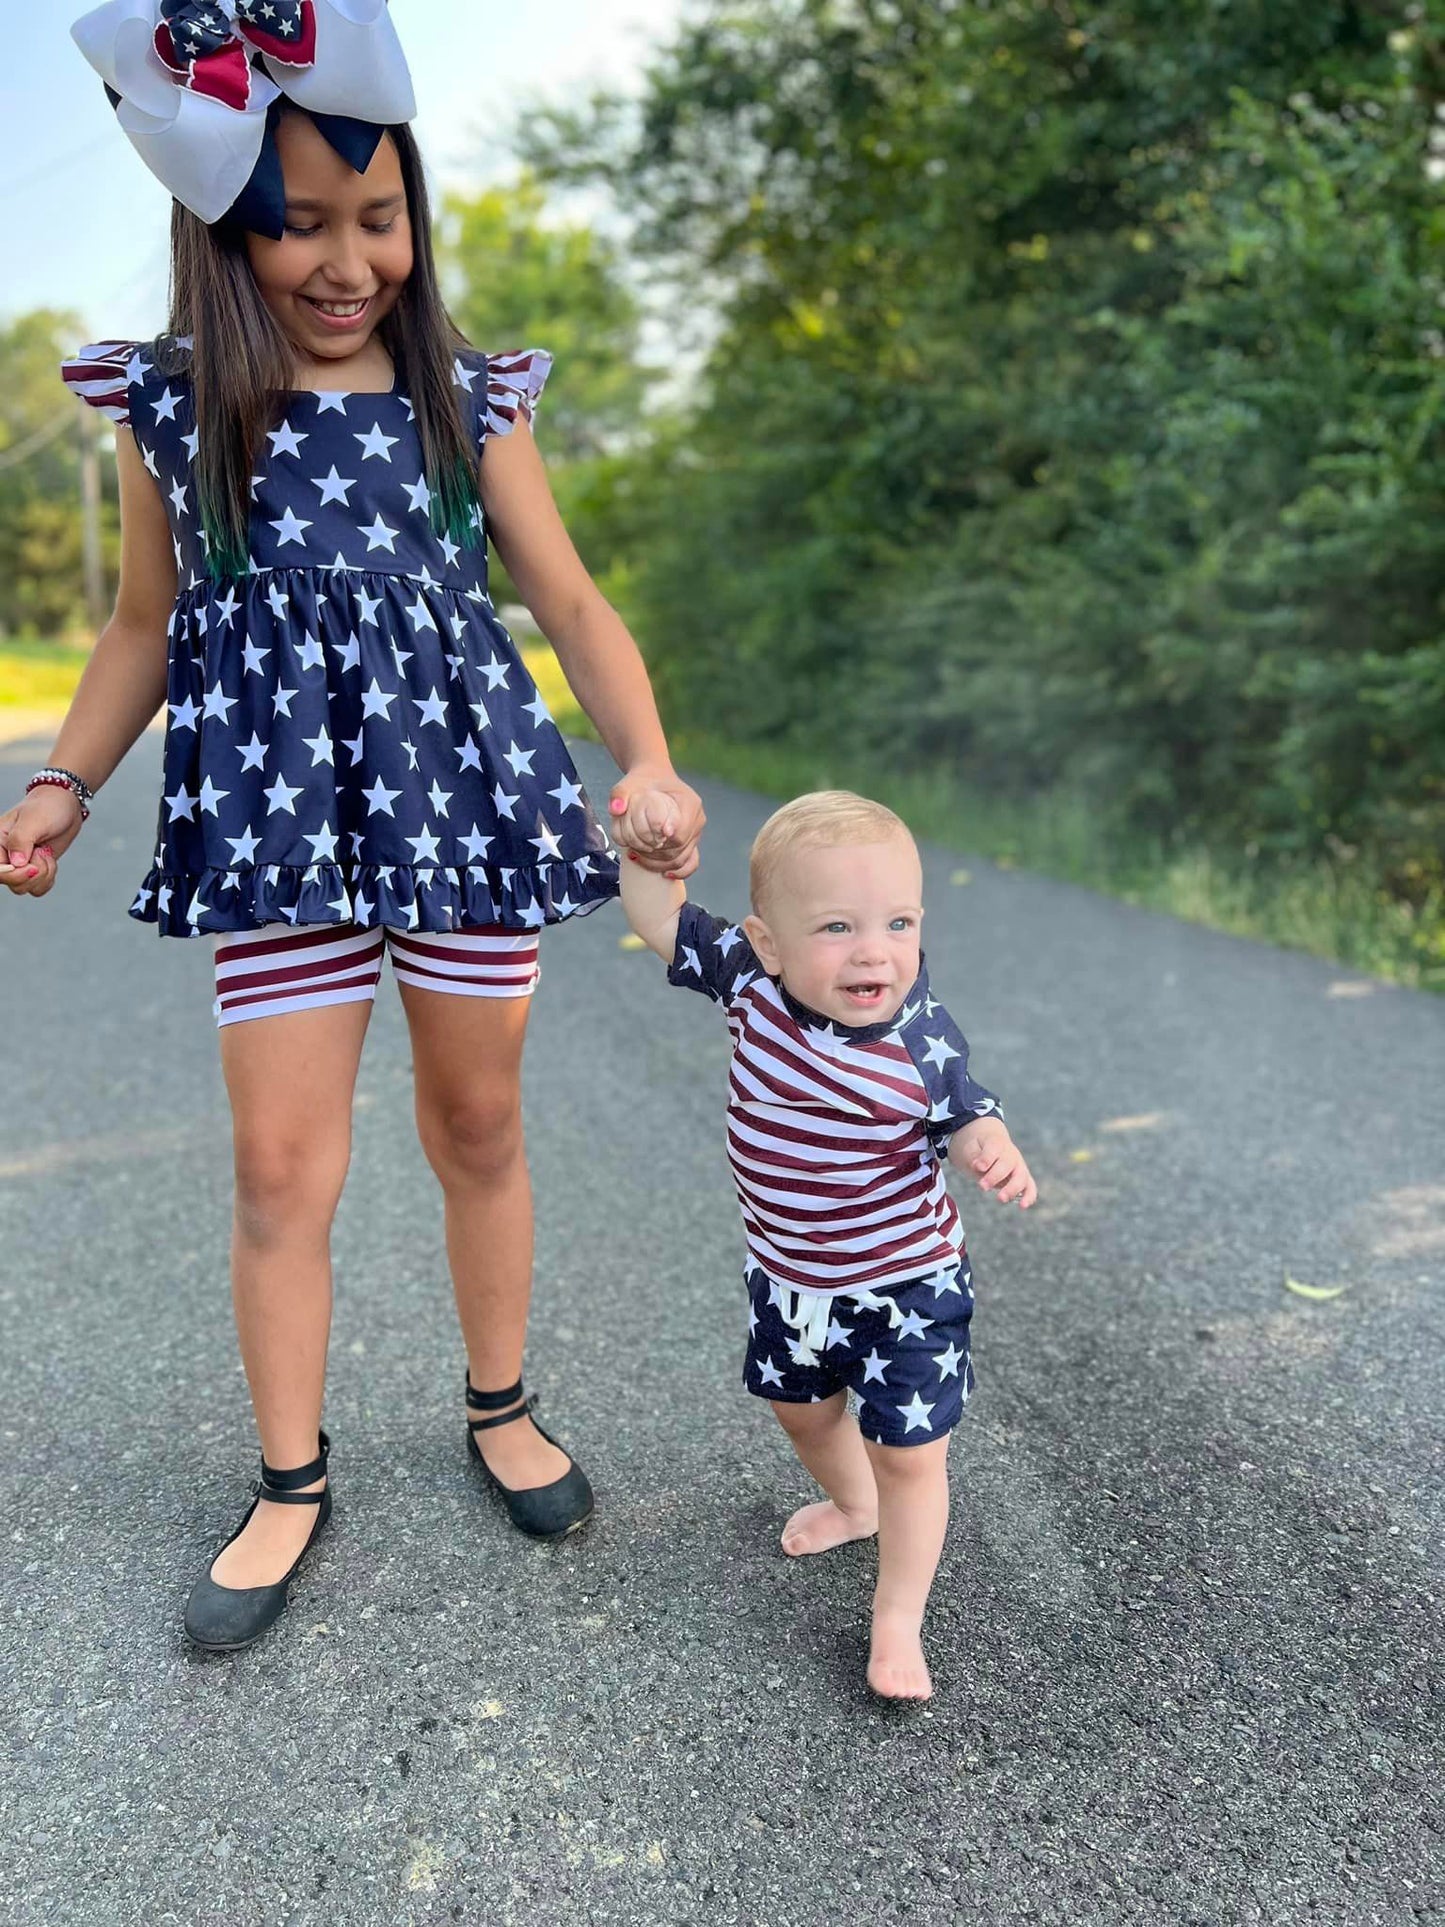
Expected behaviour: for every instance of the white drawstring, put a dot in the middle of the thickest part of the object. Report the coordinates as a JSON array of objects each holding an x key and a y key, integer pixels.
[{"x": 810, "y": 1313}]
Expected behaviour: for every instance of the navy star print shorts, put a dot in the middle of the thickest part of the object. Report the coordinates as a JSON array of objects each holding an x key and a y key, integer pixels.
[{"x": 912, "y": 1373}]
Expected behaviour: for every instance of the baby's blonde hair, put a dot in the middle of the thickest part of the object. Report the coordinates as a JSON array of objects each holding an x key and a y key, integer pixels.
[{"x": 821, "y": 820}]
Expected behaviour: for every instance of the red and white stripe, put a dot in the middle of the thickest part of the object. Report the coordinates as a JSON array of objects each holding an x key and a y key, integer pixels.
[
  {"x": 100, "y": 375},
  {"x": 838, "y": 1185},
  {"x": 275, "y": 971}
]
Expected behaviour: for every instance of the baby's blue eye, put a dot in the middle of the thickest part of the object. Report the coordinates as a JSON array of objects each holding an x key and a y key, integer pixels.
[
  {"x": 835, "y": 929},
  {"x": 901, "y": 923}
]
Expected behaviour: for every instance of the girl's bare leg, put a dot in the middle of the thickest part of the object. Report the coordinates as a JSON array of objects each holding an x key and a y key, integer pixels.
[
  {"x": 290, "y": 1080},
  {"x": 912, "y": 1518},
  {"x": 468, "y": 1057},
  {"x": 826, "y": 1438}
]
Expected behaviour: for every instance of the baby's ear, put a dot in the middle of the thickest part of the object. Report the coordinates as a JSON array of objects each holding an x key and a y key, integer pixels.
[{"x": 761, "y": 939}]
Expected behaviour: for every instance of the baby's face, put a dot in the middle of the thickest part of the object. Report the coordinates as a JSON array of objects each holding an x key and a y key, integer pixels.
[{"x": 841, "y": 928}]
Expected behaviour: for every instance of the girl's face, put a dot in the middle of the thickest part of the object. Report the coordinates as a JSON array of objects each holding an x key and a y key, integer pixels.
[{"x": 347, "y": 250}]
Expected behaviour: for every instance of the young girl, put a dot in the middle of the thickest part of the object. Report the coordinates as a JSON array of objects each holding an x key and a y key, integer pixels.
[{"x": 356, "y": 760}]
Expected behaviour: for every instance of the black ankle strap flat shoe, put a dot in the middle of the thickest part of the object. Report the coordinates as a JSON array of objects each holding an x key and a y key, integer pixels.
[
  {"x": 223, "y": 1619},
  {"x": 543, "y": 1511}
]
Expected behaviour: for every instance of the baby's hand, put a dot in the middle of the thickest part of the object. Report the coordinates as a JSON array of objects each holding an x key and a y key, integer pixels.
[
  {"x": 657, "y": 816},
  {"x": 986, "y": 1151}
]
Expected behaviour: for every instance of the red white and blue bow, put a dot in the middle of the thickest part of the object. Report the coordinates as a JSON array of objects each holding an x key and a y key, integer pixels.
[{"x": 193, "y": 81}]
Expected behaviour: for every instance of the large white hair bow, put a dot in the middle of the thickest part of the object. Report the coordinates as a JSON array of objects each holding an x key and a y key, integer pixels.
[{"x": 193, "y": 81}]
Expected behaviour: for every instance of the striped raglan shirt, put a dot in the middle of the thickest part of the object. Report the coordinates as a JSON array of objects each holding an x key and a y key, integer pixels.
[{"x": 836, "y": 1134}]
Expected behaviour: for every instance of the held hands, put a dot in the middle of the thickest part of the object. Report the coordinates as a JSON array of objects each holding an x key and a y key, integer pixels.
[
  {"x": 988, "y": 1154},
  {"x": 33, "y": 838},
  {"x": 657, "y": 817}
]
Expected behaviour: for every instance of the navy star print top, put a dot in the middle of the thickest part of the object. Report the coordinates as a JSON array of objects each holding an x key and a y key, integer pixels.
[
  {"x": 836, "y": 1132},
  {"x": 352, "y": 735}
]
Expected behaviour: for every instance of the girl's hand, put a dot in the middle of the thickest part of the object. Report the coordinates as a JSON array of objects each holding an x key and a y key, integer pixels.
[
  {"x": 33, "y": 838},
  {"x": 656, "y": 815}
]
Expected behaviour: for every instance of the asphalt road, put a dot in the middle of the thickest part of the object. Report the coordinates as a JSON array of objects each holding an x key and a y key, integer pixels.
[{"x": 1187, "y": 1633}]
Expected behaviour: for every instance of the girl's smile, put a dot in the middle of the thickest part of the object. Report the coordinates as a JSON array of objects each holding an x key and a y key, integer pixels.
[{"x": 340, "y": 267}]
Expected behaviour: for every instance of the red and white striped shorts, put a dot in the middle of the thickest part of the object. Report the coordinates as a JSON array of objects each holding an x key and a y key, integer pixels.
[{"x": 263, "y": 973}]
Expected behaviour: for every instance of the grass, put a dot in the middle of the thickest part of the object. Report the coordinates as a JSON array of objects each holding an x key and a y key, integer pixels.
[
  {"x": 1339, "y": 910},
  {"x": 39, "y": 675}
]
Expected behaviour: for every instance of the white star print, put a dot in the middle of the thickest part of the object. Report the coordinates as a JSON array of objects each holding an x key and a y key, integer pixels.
[
  {"x": 379, "y": 536},
  {"x": 361, "y": 911},
  {"x": 938, "y": 1051},
  {"x": 691, "y": 961},
  {"x": 420, "y": 495},
  {"x": 368, "y": 606},
  {"x": 379, "y": 799},
  {"x": 768, "y": 1373},
  {"x": 285, "y": 440},
  {"x": 252, "y": 657},
  {"x": 463, "y": 377},
  {"x": 351, "y": 652},
  {"x": 244, "y": 847},
  {"x": 568, "y": 794},
  {"x": 290, "y": 529},
  {"x": 432, "y": 710},
  {"x": 253, "y": 754},
  {"x": 334, "y": 487},
  {"x": 538, "y": 711},
  {"x": 401, "y": 657},
  {"x": 323, "y": 844},
  {"x": 484, "y": 721},
  {"x": 495, "y": 672},
  {"x": 410, "y": 747},
  {"x": 311, "y": 654},
  {"x": 178, "y": 499},
  {"x": 373, "y": 442},
  {"x": 210, "y": 798},
  {"x": 949, "y": 1361},
  {"x": 281, "y": 701},
  {"x": 916, "y": 1413},
  {"x": 546, "y": 845},
  {"x": 439, "y": 797},
  {"x": 520, "y": 760},
  {"x": 425, "y": 848},
  {"x": 183, "y": 715},
  {"x": 837, "y": 1334},
  {"x": 191, "y": 444},
  {"x": 331, "y": 401},
  {"x": 353, "y": 744},
  {"x": 182, "y": 804},
  {"x": 450, "y": 551},
  {"x": 279, "y": 600},
  {"x": 477, "y": 845},
  {"x": 374, "y": 703},
  {"x": 280, "y": 796},
  {"x": 875, "y": 1369},
  {"x": 913, "y": 1325},
  {"x": 165, "y": 406},
  {"x": 505, "y": 805},
  {"x": 422, "y": 617},
  {"x": 216, "y": 703},
  {"x": 320, "y": 747},
  {"x": 945, "y": 1282},
  {"x": 148, "y": 456}
]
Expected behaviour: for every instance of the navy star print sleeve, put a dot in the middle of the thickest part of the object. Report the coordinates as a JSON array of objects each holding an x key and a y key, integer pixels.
[
  {"x": 939, "y": 1051},
  {"x": 712, "y": 956}
]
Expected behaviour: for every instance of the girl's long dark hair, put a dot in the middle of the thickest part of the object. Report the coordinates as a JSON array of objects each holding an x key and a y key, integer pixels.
[{"x": 242, "y": 369}]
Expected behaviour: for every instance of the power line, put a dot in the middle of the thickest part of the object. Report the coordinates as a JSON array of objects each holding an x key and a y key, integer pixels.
[{"x": 39, "y": 438}]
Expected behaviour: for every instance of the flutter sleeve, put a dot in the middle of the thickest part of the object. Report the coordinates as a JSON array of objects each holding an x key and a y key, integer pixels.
[
  {"x": 505, "y": 387},
  {"x": 102, "y": 374},
  {"x": 712, "y": 956}
]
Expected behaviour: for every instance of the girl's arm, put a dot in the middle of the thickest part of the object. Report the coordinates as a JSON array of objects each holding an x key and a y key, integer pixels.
[
  {"x": 123, "y": 686},
  {"x": 599, "y": 658}
]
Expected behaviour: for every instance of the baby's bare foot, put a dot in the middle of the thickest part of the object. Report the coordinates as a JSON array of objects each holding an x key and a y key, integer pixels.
[
  {"x": 820, "y": 1527},
  {"x": 896, "y": 1666}
]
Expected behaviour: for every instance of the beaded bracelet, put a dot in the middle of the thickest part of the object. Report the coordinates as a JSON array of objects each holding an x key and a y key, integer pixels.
[{"x": 64, "y": 779}]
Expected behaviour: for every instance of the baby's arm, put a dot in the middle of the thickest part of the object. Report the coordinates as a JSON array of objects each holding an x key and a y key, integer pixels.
[
  {"x": 653, "y": 904},
  {"x": 984, "y": 1150}
]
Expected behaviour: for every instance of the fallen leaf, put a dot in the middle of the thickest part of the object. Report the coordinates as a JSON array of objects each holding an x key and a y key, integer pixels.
[
  {"x": 1081, "y": 1157},
  {"x": 632, "y": 942},
  {"x": 1313, "y": 1291},
  {"x": 961, "y": 876}
]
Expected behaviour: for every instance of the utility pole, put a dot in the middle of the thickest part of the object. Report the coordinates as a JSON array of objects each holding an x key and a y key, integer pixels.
[{"x": 92, "y": 567}]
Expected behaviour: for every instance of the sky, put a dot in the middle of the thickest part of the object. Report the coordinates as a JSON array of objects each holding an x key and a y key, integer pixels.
[{"x": 87, "y": 223}]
